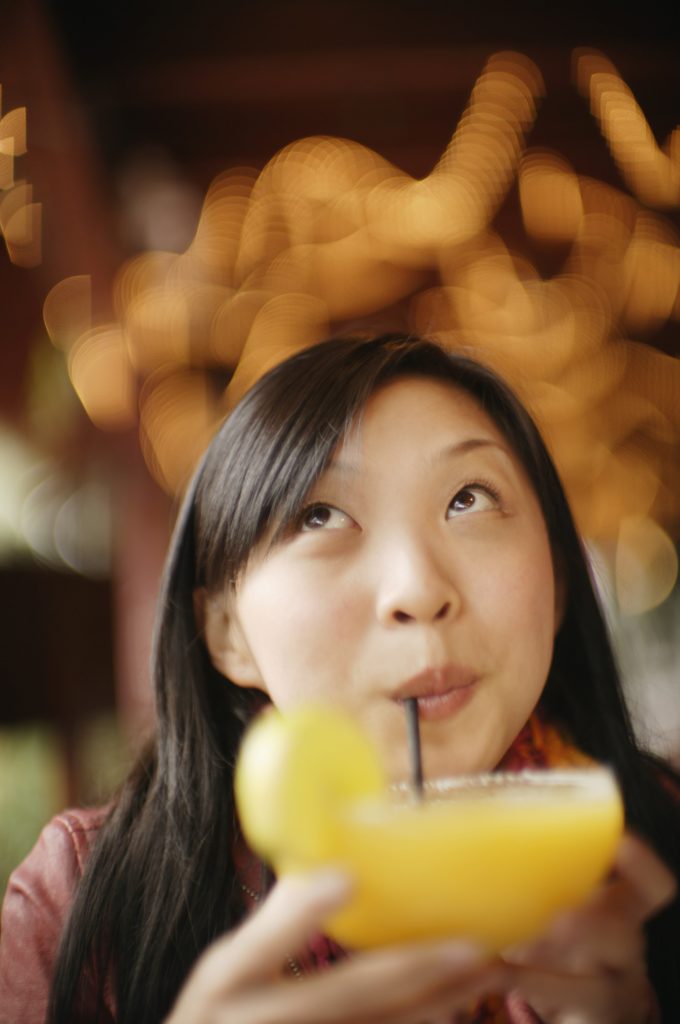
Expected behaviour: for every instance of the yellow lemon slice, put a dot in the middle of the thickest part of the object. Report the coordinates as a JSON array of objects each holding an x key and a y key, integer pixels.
[{"x": 294, "y": 773}]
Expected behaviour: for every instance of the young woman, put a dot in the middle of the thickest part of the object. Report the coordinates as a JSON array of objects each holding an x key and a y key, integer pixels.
[{"x": 377, "y": 519}]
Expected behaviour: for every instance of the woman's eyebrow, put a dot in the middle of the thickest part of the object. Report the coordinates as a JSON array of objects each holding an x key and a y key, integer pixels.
[
  {"x": 469, "y": 444},
  {"x": 346, "y": 466}
]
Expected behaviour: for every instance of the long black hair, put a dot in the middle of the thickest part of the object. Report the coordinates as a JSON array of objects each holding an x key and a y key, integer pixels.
[{"x": 160, "y": 884}]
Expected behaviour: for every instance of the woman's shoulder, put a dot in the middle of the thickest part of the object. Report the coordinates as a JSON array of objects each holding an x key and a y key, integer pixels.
[
  {"x": 59, "y": 855},
  {"x": 61, "y": 850},
  {"x": 37, "y": 900},
  {"x": 74, "y": 829}
]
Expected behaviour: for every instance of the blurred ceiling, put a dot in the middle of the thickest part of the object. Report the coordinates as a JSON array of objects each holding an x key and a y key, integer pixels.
[
  {"x": 214, "y": 83},
  {"x": 211, "y": 85},
  {"x": 203, "y": 87},
  {"x": 114, "y": 92}
]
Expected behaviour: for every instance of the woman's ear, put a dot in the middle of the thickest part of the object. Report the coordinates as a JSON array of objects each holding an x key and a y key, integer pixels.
[{"x": 227, "y": 646}]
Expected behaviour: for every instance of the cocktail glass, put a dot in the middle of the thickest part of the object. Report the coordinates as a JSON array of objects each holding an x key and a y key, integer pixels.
[{"x": 489, "y": 857}]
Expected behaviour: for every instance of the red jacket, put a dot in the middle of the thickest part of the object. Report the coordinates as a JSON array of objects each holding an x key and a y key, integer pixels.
[{"x": 37, "y": 901}]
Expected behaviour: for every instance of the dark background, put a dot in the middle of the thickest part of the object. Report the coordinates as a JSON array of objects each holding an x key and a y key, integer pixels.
[{"x": 208, "y": 85}]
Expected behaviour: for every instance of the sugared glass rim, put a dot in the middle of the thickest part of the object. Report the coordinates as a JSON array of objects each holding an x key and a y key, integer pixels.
[{"x": 594, "y": 781}]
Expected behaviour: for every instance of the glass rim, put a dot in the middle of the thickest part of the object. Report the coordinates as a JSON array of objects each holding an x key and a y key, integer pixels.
[{"x": 593, "y": 779}]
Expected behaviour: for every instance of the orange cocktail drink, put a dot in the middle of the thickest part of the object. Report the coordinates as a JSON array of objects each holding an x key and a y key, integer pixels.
[
  {"x": 489, "y": 857},
  {"x": 492, "y": 857}
]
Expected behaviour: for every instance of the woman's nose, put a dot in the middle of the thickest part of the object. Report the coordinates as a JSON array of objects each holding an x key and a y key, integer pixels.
[{"x": 415, "y": 587}]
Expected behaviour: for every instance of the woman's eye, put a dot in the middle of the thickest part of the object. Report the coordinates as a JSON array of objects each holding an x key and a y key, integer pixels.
[
  {"x": 324, "y": 517},
  {"x": 474, "y": 498}
]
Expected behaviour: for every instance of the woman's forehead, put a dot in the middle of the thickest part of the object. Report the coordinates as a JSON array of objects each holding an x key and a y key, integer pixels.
[{"x": 444, "y": 411}]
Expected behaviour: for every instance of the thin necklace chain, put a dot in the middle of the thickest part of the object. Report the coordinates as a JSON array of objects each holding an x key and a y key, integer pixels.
[{"x": 293, "y": 964}]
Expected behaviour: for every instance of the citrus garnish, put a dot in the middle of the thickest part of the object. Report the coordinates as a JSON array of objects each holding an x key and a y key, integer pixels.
[{"x": 294, "y": 773}]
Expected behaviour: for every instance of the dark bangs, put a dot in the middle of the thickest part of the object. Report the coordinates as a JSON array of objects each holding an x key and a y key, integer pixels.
[
  {"x": 281, "y": 437},
  {"x": 279, "y": 440}
]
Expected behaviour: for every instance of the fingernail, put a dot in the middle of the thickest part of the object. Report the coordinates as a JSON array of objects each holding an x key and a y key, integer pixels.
[
  {"x": 331, "y": 883},
  {"x": 463, "y": 953}
]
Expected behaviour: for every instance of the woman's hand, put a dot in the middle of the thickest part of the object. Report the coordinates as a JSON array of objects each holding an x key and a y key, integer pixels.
[
  {"x": 239, "y": 980},
  {"x": 589, "y": 967}
]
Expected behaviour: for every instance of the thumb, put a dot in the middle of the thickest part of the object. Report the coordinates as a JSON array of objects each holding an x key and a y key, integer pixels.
[
  {"x": 647, "y": 882},
  {"x": 292, "y": 913}
]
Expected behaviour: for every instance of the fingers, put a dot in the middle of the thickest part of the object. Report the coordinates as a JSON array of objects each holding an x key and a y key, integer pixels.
[
  {"x": 590, "y": 964},
  {"x": 238, "y": 980},
  {"x": 586, "y": 999},
  {"x": 293, "y": 912},
  {"x": 254, "y": 952},
  {"x": 606, "y": 933},
  {"x": 584, "y": 941},
  {"x": 651, "y": 883},
  {"x": 404, "y": 986}
]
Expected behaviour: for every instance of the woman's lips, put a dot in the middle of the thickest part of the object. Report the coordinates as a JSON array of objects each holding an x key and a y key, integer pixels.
[
  {"x": 435, "y": 706},
  {"x": 440, "y": 692}
]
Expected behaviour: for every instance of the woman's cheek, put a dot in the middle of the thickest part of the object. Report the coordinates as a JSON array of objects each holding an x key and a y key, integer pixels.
[
  {"x": 294, "y": 642},
  {"x": 528, "y": 587}
]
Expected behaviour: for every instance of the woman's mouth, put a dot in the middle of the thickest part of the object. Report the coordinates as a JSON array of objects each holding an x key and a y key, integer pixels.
[{"x": 440, "y": 692}]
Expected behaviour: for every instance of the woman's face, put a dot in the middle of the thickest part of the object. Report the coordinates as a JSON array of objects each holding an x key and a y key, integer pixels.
[{"x": 421, "y": 567}]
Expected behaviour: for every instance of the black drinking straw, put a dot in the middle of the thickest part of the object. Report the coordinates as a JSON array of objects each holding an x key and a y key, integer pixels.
[{"x": 413, "y": 729}]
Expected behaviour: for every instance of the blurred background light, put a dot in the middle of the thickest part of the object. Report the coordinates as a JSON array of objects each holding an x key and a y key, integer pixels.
[
  {"x": 192, "y": 196},
  {"x": 329, "y": 232},
  {"x": 646, "y": 565}
]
